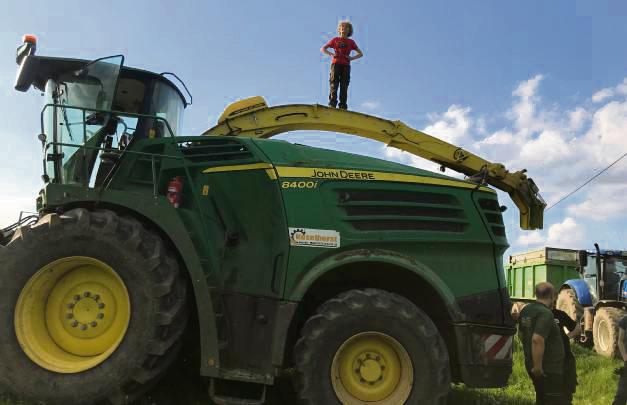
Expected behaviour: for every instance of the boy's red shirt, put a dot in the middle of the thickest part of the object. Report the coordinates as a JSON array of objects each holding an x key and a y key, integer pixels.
[{"x": 343, "y": 48}]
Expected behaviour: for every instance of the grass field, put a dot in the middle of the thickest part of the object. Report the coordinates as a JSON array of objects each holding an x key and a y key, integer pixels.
[{"x": 597, "y": 385}]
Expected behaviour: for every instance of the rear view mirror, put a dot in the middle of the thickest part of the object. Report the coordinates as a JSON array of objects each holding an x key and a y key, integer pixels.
[{"x": 583, "y": 258}]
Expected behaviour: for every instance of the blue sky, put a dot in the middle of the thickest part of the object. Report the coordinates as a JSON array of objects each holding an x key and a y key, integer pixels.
[{"x": 534, "y": 84}]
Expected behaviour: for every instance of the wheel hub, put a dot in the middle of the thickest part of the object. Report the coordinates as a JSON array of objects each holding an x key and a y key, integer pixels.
[
  {"x": 372, "y": 367},
  {"x": 84, "y": 311},
  {"x": 72, "y": 314}
]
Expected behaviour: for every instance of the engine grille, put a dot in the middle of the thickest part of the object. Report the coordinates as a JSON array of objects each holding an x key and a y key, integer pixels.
[
  {"x": 492, "y": 213},
  {"x": 395, "y": 210},
  {"x": 215, "y": 151}
]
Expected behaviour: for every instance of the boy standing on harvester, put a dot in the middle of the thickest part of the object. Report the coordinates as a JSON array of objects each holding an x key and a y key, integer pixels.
[{"x": 341, "y": 65}]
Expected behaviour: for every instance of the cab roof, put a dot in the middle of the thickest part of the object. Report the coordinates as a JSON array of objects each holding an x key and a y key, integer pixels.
[{"x": 52, "y": 67}]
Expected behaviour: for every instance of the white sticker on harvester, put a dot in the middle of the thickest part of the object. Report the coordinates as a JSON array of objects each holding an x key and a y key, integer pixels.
[{"x": 322, "y": 238}]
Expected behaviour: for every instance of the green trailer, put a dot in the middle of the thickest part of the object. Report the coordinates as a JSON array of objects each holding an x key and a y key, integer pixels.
[{"x": 525, "y": 270}]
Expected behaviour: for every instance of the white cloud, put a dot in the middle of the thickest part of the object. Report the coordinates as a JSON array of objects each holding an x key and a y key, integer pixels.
[
  {"x": 604, "y": 202},
  {"x": 523, "y": 112},
  {"x": 452, "y": 126},
  {"x": 546, "y": 149},
  {"x": 566, "y": 234},
  {"x": 577, "y": 118},
  {"x": 622, "y": 88},
  {"x": 608, "y": 92},
  {"x": 602, "y": 95},
  {"x": 530, "y": 240},
  {"x": 371, "y": 105}
]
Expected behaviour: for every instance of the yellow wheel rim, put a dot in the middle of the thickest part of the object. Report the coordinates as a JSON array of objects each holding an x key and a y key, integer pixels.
[
  {"x": 372, "y": 367},
  {"x": 72, "y": 314}
]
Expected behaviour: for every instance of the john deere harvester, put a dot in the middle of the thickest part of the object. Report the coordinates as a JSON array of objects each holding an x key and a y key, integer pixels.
[{"x": 368, "y": 281}]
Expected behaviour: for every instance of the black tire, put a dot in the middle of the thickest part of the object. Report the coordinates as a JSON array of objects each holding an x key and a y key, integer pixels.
[
  {"x": 358, "y": 311},
  {"x": 605, "y": 331},
  {"x": 158, "y": 312},
  {"x": 567, "y": 301}
]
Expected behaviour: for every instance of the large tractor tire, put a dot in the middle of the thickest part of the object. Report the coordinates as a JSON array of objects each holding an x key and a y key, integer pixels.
[
  {"x": 567, "y": 301},
  {"x": 92, "y": 309},
  {"x": 605, "y": 331},
  {"x": 371, "y": 346}
]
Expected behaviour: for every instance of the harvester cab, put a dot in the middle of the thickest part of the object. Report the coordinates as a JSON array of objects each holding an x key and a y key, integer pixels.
[{"x": 94, "y": 109}]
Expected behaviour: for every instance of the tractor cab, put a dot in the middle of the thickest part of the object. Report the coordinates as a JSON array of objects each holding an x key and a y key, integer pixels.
[
  {"x": 606, "y": 273},
  {"x": 94, "y": 110}
]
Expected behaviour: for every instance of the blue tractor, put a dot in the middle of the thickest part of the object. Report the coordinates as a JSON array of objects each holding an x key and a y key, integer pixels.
[{"x": 598, "y": 299}]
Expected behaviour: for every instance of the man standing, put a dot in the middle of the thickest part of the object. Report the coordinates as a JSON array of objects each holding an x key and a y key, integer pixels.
[
  {"x": 544, "y": 351},
  {"x": 621, "y": 391}
]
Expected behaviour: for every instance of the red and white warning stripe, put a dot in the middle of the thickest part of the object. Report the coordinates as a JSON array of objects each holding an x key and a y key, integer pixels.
[{"x": 497, "y": 347}]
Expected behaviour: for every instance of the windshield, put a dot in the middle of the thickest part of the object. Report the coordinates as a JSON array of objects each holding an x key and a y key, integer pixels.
[
  {"x": 590, "y": 270},
  {"x": 167, "y": 104},
  {"x": 616, "y": 265},
  {"x": 79, "y": 94}
]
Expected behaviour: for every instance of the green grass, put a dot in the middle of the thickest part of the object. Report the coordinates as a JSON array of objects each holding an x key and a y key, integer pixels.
[{"x": 597, "y": 385}]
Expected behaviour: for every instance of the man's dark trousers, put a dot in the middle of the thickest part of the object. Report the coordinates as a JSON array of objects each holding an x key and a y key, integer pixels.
[
  {"x": 340, "y": 76},
  {"x": 551, "y": 390},
  {"x": 621, "y": 392}
]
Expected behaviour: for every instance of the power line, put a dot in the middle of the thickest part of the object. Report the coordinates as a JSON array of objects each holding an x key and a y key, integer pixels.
[{"x": 587, "y": 181}]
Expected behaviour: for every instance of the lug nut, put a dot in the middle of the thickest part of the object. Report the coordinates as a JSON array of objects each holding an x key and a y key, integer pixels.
[
  {"x": 77, "y": 297},
  {"x": 70, "y": 305},
  {"x": 101, "y": 305},
  {"x": 96, "y": 297},
  {"x": 94, "y": 324},
  {"x": 74, "y": 324},
  {"x": 83, "y": 327},
  {"x": 86, "y": 294},
  {"x": 69, "y": 316},
  {"x": 100, "y": 315},
  {"x": 378, "y": 358}
]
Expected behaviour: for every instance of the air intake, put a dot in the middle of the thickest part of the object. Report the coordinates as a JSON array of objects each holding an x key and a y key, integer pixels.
[
  {"x": 492, "y": 213},
  {"x": 394, "y": 210},
  {"x": 215, "y": 151}
]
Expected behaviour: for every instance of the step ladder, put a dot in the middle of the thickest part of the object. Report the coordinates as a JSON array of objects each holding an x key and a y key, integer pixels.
[{"x": 226, "y": 400}]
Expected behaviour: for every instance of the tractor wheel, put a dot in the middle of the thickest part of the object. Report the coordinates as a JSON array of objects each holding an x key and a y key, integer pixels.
[
  {"x": 371, "y": 346},
  {"x": 92, "y": 309},
  {"x": 567, "y": 301},
  {"x": 605, "y": 331}
]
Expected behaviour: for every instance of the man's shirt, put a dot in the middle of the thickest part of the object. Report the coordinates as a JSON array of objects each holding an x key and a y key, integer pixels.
[{"x": 537, "y": 318}]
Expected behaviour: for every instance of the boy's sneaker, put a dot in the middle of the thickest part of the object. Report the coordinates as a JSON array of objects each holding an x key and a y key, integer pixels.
[
  {"x": 343, "y": 106},
  {"x": 332, "y": 105}
]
